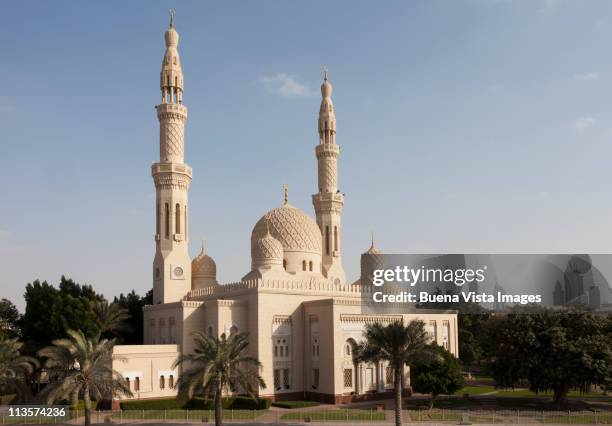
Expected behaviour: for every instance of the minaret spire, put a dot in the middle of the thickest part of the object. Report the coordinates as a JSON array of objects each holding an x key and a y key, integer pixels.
[
  {"x": 329, "y": 201},
  {"x": 172, "y": 265}
]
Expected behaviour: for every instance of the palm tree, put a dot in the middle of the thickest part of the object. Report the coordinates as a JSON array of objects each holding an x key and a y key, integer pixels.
[
  {"x": 399, "y": 345},
  {"x": 82, "y": 366},
  {"x": 218, "y": 364},
  {"x": 110, "y": 317},
  {"x": 14, "y": 368}
]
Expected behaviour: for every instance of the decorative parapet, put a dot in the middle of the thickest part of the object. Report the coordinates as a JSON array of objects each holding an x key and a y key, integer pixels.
[
  {"x": 370, "y": 319},
  {"x": 281, "y": 319},
  {"x": 308, "y": 286}
]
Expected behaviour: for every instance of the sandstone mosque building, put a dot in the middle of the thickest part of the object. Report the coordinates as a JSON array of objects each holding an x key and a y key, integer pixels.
[{"x": 302, "y": 315}]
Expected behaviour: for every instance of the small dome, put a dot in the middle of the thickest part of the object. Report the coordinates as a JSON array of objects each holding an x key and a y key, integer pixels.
[
  {"x": 293, "y": 228},
  {"x": 203, "y": 266},
  {"x": 266, "y": 250},
  {"x": 371, "y": 260}
]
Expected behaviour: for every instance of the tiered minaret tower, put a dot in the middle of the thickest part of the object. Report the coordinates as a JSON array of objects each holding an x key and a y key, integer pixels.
[
  {"x": 328, "y": 202},
  {"x": 172, "y": 265}
]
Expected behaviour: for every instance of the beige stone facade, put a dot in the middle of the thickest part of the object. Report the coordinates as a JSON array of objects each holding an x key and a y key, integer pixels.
[{"x": 302, "y": 315}]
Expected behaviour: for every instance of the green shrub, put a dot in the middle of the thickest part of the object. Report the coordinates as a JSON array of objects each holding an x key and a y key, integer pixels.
[
  {"x": 198, "y": 403},
  {"x": 247, "y": 403},
  {"x": 295, "y": 404},
  {"x": 153, "y": 404},
  {"x": 81, "y": 405}
]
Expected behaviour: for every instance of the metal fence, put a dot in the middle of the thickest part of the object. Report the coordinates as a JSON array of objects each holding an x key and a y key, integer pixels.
[{"x": 334, "y": 415}]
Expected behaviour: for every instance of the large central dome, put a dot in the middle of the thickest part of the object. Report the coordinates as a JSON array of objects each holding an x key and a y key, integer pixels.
[{"x": 295, "y": 230}]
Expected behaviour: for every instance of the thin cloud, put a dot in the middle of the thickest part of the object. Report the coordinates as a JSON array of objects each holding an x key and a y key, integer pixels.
[
  {"x": 583, "y": 123},
  {"x": 587, "y": 76},
  {"x": 285, "y": 85}
]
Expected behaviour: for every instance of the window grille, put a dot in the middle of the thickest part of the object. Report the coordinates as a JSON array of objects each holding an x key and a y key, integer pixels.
[{"x": 348, "y": 377}]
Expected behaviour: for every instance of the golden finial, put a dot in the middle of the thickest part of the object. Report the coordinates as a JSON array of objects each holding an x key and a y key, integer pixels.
[
  {"x": 172, "y": 13},
  {"x": 202, "y": 250},
  {"x": 372, "y": 237},
  {"x": 325, "y": 72},
  {"x": 286, "y": 190}
]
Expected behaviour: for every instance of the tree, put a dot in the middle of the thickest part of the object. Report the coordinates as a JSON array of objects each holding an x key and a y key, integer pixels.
[
  {"x": 9, "y": 319},
  {"x": 399, "y": 345},
  {"x": 14, "y": 369},
  {"x": 82, "y": 366},
  {"x": 441, "y": 376},
  {"x": 51, "y": 311},
  {"x": 110, "y": 318},
  {"x": 133, "y": 303},
  {"x": 218, "y": 364},
  {"x": 552, "y": 350},
  {"x": 472, "y": 344}
]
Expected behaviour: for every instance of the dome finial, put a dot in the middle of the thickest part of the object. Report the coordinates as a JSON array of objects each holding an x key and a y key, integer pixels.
[
  {"x": 326, "y": 87},
  {"x": 202, "y": 249},
  {"x": 372, "y": 237},
  {"x": 286, "y": 191},
  {"x": 172, "y": 13}
]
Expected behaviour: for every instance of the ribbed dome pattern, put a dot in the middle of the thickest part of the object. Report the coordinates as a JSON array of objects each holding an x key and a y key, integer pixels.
[
  {"x": 266, "y": 250},
  {"x": 203, "y": 266},
  {"x": 293, "y": 228}
]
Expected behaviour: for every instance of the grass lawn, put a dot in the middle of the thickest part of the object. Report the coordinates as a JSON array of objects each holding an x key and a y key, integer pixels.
[
  {"x": 295, "y": 404},
  {"x": 475, "y": 390},
  {"x": 196, "y": 415},
  {"x": 5, "y": 399},
  {"x": 526, "y": 393},
  {"x": 336, "y": 415}
]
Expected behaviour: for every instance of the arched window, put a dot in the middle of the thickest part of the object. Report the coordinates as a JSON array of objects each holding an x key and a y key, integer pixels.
[
  {"x": 171, "y": 381},
  {"x": 327, "y": 240},
  {"x": 127, "y": 379},
  {"x": 157, "y": 219},
  {"x": 303, "y": 265},
  {"x": 347, "y": 349},
  {"x": 162, "y": 382},
  {"x": 233, "y": 330},
  {"x": 167, "y": 212},
  {"x": 185, "y": 221},
  {"x": 285, "y": 263},
  {"x": 175, "y": 78},
  {"x": 210, "y": 331},
  {"x": 168, "y": 81},
  {"x": 137, "y": 384},
  {"x": 177, "y": 221},
  {"x": 310, "y": 266},
  {"x": 336, "y": 238}
]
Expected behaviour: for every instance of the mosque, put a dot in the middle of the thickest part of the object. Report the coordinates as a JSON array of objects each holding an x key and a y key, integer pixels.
[{"x": 303, "y": 317}]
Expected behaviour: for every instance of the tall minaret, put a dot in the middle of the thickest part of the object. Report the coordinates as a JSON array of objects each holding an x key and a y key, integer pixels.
[
  {"x": 328, "y": 202},
  {"x": 172, "y": 265}
]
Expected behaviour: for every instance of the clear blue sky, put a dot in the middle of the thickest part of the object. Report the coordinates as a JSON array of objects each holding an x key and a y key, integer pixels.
[{"x": 465, "y": 126}]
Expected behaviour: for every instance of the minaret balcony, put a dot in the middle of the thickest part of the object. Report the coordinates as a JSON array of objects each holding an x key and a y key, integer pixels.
[
  {"x": 179, "y": 168},
  {"x": 327, "y": 150},
  {"x": 172, "y": 107}
]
